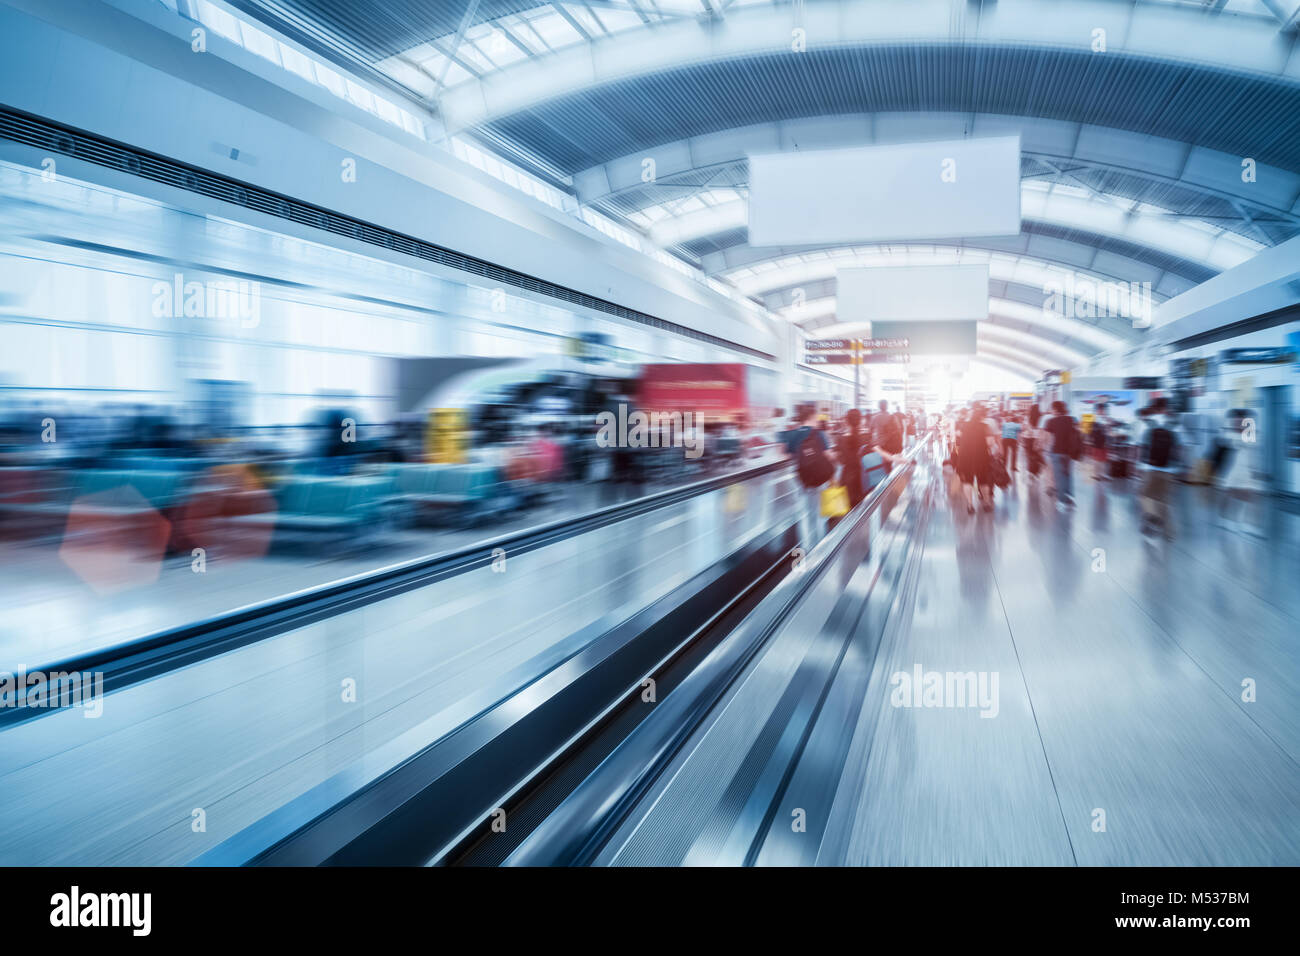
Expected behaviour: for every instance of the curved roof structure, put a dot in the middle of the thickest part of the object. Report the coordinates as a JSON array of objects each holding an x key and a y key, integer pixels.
[{"x": 1135, "y": 120}]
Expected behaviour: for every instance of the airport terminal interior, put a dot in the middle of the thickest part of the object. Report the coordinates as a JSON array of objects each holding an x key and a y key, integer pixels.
[{"x": 650, "y": 432}]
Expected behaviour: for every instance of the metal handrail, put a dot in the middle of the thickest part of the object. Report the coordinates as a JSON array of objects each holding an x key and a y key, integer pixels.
[{"x": 142, "y": 658}]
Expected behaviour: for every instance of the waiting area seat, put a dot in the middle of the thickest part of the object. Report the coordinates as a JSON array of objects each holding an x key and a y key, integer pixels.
[
  {"x": 107, "y": 491},
  {"x": 362, "y": 504},
  {"x": 469, "y": 492},
  {"x": 145, "y": 463},
  {"x": 314, "y": 503}
]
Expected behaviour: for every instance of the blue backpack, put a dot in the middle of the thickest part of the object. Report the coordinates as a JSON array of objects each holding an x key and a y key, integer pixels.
[{"x": 874, "y": 470}]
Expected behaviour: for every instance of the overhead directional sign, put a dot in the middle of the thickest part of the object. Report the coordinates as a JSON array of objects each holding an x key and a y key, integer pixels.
[
  {"x": 857, "y": 358},
  {"x": 849, "y": 345},
  {"x": 882, "y": 351},
  {"x": 932, "y": 337}
]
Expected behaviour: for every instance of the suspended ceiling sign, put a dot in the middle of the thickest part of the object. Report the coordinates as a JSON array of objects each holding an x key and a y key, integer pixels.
[
  {"x": 956, "y": 337},
  {"x": 829, "y": 345},
  {"x": 912, "y": 293},
  {"x": 857, "y": 358},
  {"x": 855, "y": 351},
  {"x": 853, "y": 345},
  {"x": 942, "y": 190}
]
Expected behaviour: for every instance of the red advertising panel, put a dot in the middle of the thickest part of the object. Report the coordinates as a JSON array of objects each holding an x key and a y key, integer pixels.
[{"x": 715, "y": 391}]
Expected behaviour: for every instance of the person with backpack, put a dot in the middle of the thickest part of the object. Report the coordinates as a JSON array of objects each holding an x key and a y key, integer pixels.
[
  {"x": 1066, "y": 448},
  {"x": 887, "y": 430},
  {"x": 788, "y": 437},
  {"x": 814, "y": 467},
  {"x": 1158, "y": 456}
]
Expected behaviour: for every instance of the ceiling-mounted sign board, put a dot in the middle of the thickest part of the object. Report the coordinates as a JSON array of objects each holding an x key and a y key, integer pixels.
[
  {"x": 912, "y": 293},
  {"x": 932, "y": 338},
  {"x": 943, "y": 190}
]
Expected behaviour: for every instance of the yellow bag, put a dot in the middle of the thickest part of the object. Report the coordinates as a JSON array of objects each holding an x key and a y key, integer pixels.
[{"x": 835, "y": 501}]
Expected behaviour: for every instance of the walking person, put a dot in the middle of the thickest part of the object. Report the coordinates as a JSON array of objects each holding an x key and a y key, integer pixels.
[
  {"x": 1010, "y": 442},
  {"x": 954, "y": 426},
  {"x": 814, "y": 462},
  {"x": 1035, "y": 442},
  {"x": 973, "y": 440},
  {"x": 849, "y": 447},
  {"x": 848, "y": 450},
  {"x": 1066, "y": 448},
  {"x": 948, "y": 431},
  {"x": 1159, "y": 457},
  {"x": 887, "y": 430}
]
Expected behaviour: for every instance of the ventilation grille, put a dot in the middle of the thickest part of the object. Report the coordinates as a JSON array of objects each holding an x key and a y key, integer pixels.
[{"x": 56, "y": 138}]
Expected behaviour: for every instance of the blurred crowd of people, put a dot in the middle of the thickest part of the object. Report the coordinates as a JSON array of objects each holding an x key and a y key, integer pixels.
[
  {"x": 987, "y": 448},
  {"x": 838, "y": 461}
]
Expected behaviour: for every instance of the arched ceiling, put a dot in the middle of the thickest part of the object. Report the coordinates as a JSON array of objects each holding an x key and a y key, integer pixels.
[{"x": 1131, "y": 154}]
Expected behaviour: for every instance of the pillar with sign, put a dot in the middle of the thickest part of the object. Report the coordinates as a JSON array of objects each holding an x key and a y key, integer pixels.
[{"x": 857, "y": 373}]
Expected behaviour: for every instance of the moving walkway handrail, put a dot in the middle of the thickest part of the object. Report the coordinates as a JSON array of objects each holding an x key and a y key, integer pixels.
[
  {"x": 139, "y": 659},
  {"x": 435, "y": 793},
  {"x": 573, "y": 833}
]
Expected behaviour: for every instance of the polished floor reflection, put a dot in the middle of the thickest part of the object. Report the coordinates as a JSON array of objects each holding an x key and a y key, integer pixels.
[{"x": 1127, "y": 732}]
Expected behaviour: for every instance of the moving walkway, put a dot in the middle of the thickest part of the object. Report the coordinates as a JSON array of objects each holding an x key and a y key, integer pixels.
[
  {"x": 548, "y": 774},
  {"x": 247, "y": 718}
]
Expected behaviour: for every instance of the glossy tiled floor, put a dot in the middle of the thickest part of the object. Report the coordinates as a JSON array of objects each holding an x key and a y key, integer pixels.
[{"x": 1121, "y": 663}]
